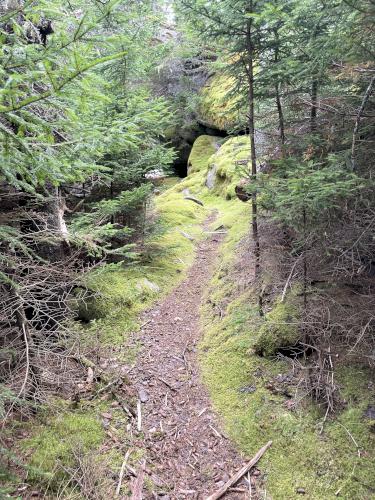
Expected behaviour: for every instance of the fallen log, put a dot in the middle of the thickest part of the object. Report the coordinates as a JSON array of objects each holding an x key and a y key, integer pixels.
[{"x": 233, "y": 480}]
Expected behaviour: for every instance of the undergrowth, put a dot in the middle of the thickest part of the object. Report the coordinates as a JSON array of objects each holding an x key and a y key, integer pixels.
[
  {"x": 326, "y": 464},
  {"x": 122, "y": 293}
]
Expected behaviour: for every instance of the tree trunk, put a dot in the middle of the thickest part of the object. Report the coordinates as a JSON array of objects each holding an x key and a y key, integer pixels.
[
  {"x": 251, "y": 123},
  {"x": 314, "y": 106},
  {"x": 278, "y": 96},
  {"x": 365, "y": 99},
  {"x": 304, "y": 258}
]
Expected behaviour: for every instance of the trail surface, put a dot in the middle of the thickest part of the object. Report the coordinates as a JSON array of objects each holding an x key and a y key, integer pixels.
[{"x": 187, "y": 454}]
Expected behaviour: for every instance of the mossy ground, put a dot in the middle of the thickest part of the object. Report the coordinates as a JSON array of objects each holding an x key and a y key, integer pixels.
[
  {"x": 300, "y": 457},
  {"x": 120, "y": 301},
  {"x": 55, "y": 439},
  {"x": 323, "y": 464}
]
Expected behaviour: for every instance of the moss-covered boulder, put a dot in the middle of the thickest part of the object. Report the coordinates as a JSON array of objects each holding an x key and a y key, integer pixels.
[
  {"x": 203, "y": 148},
  {"x": 218, "y": 108},
  {"x": 230, "y": 164},
  {"x": 279, "y": 330}
]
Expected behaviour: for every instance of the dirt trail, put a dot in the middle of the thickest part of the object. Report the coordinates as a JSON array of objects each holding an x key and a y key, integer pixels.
[{"x": 186, "y": 451}]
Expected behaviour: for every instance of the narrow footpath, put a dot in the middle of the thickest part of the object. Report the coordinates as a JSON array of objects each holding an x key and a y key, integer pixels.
[{"x": 187, "y": 454}]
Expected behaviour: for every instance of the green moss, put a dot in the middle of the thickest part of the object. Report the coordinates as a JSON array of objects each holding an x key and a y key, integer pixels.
[
  {"x": 55, "y": 440},
  {"x": 280, "y": 329},
  {"x": 203, "y": 148},
  {"x": 238, "y": 380},
  {"x": 228, "y": 172},
  {"x": 119, "y": 295},
  {"x": 218, "y": 108}
]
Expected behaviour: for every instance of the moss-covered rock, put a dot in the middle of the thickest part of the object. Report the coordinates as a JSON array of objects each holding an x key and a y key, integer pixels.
[
  {"x": 218, "y": 107},
  {"x": 279, "y": 330},
  {"x": 230, "y": 163},
  {"x": 203, "y": 148}
]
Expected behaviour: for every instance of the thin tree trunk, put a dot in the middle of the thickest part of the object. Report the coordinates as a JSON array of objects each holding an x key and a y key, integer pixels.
[
  {"x": 366, "y": 97},
  {"x": 281, "y": 114},
  {"x": 278, "y": 96},
  {"x": 304, "y": 259},
  {"x": 251, "y": 123},
  {"x": 314, "y": 106}
]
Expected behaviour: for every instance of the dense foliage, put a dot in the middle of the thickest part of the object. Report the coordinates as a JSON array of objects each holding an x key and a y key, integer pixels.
[
  {"x": 92, "y": 92},
  {"x": 81, "y": 132},
  {"x": 304, "y": 72}
]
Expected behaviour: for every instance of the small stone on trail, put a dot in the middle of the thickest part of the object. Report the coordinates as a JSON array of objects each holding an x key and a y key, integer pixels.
[{"x": 143, "y": 396}]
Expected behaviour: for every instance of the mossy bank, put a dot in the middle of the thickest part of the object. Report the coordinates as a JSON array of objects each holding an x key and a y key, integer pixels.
[{"x": 249, "y": 388}]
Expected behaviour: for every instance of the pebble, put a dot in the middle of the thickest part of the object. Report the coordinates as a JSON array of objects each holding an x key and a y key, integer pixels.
[{"x": 143, "y": 396}]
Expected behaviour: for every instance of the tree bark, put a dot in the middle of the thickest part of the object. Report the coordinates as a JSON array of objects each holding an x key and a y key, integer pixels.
[
  {"x": 278, "y": 96},
  {"x": 251, "y": 124},
  {"x": 314, "y": 106}
]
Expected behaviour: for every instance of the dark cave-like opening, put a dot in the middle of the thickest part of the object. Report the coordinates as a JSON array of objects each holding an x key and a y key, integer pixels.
[{"x": 184, "y": 145}]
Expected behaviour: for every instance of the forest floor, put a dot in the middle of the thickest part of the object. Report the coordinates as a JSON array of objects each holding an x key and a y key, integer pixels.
[{"x": 190, "y": 455}]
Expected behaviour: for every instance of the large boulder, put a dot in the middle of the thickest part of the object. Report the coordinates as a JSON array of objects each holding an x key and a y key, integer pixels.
[
  {"x": 228, "y": 165},
  {"x": 204, "y": 147},
  {"x": 219, "y": 108}
]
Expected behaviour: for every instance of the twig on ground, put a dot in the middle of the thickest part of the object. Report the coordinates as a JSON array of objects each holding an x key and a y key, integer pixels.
[
  {"x": 139, "y": 416},
  {"x": 128, "y": 411},
  {"x": 122, "y": 471},
  {"x": 167, "y": 384},
  {"x": 233, "y": 480}
]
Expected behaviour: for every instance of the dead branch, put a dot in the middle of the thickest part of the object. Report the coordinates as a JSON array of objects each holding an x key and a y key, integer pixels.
[
  {"x": 137, "y": 486},
  {"x": 233, "y": 480},
  {"x": 122, "y": 471}
]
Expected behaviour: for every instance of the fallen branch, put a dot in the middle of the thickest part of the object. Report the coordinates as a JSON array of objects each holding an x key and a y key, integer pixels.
[
  {"x": 195, "y": 200},
  {"x": 233, "y": 480},
  {"x": 106, "y": 387},
  {"x": 122, "y": 471},
  {"x": 288, "y": 280},
  {"x": 170, "y": 386},
  {"x": 128, "y": 411},
  {"x": 138, "y": 484},
  {"x": 139, "y": 416}
]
